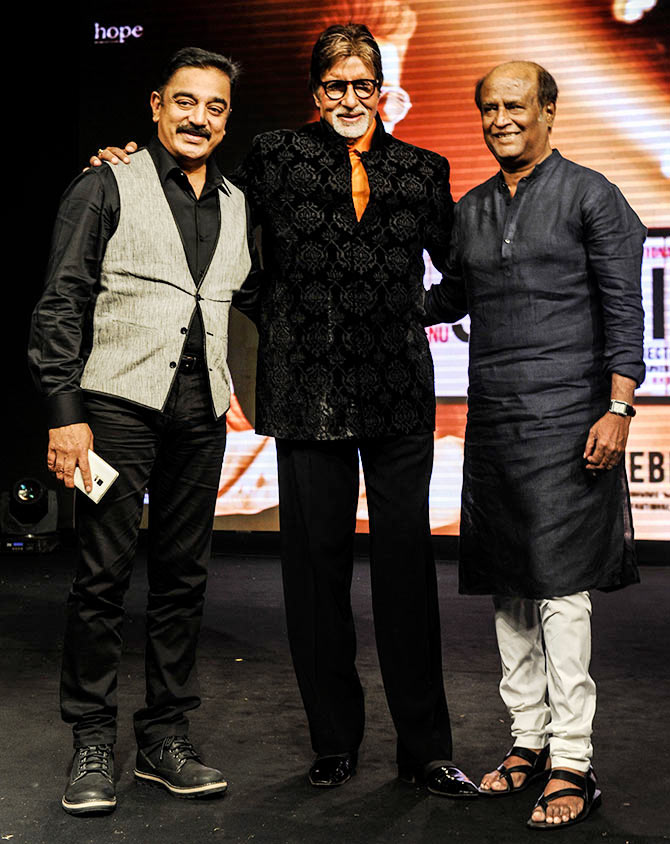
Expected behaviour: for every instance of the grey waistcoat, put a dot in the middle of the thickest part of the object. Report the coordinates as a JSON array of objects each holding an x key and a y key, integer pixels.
[{"x": 147, "y": 294}]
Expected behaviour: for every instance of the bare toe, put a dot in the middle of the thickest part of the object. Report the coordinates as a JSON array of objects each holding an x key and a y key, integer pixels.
[
  {"x": 563, "y": 809},
  {"x": 488, "y": 780},
  {"x": 538, "y": 815}
]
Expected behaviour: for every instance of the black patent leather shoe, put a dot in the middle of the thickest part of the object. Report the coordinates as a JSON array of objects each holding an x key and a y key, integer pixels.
[
  {"x": 175, "y": 765},
  {"x": 331, "y": 771},
  {"x": 90, "y": 789},
  {"x": 445, "y": 780}
]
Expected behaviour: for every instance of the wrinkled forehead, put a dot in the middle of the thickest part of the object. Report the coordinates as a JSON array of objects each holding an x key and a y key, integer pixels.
[
  {"x": 514, "y": 81},
  {"x": 351, "y": 67},
  {"x": 201, "y": 78}
]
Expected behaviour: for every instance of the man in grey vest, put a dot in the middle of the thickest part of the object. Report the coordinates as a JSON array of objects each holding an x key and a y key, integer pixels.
[{"x": 128, "y": 347}]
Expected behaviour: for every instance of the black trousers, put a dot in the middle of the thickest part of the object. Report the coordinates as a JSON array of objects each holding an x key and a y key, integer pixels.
[
  {"x": 318, "y": 492},
  {"x": 177, "y": 455}
]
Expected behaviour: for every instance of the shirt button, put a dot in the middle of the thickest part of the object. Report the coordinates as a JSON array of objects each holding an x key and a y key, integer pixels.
[
  {"x": 184, "y": 330},
  {"x": 173, "y": 364},
  {"x": 507, "y": 240}
]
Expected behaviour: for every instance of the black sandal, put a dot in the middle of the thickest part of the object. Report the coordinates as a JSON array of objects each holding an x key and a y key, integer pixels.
[
  {"x": 536, "y": 768},
  {"x": 586, "y": 789}
]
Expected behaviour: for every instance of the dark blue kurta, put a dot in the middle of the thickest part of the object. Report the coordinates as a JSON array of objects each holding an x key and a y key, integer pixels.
[{"x": 551, "y": 279}]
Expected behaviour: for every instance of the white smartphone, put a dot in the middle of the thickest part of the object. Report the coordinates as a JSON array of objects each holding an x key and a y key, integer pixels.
[{"x": 102, "y": 475}]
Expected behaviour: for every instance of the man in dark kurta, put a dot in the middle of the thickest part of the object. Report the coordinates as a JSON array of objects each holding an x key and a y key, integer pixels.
[{"x": 545, "y": 258}]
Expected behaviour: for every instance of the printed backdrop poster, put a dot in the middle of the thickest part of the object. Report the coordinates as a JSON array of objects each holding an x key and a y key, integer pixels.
[{"x": 610, "y": 59}]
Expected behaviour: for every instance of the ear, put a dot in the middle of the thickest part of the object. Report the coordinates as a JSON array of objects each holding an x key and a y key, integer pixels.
[
  {"x": 549, "y": 113},
  {"x": 155, "y": 101},
  {"x": 317, "y": 102}
]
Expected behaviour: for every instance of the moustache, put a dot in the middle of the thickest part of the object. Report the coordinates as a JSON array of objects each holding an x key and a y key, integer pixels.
[{"x": 200, "y": 131}]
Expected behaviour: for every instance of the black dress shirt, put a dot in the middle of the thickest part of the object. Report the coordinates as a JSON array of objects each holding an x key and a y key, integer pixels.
[{"x": 87, "y": 218}]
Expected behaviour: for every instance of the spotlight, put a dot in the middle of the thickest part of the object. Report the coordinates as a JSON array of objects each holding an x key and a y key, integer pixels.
[{"x": 28, "y": 518}]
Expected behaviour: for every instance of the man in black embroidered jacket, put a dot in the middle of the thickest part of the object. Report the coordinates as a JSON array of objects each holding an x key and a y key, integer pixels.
[{"x": 344, "y": 368}]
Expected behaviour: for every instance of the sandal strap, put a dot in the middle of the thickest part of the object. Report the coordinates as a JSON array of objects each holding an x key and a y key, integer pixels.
[
  {"x": 533, "y": 759},
  {"x": 506, "y": 774},
  {"x": 526, "y": 753},
  {"x": 545, "y": 799},
  {"x": 516, "y": 769},
  {"x": 569, "y": 776}
]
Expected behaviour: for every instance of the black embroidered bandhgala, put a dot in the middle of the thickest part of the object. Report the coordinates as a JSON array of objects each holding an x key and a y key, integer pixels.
[{"x": 342, "y": 351}]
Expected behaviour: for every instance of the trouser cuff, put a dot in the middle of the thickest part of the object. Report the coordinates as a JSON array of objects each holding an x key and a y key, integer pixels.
[{"x": 582, "y": 765}]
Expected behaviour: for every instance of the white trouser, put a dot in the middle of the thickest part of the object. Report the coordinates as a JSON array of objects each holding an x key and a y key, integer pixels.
[{"x": 545, "y": 650}]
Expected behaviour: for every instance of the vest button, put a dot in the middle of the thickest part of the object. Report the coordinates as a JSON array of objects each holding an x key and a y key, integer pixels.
[
  {"x": 173, "y": 364},
  {"x": 184, "y": 330}
]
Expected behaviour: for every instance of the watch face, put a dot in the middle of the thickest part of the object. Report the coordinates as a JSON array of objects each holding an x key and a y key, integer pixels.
[{"x": 621, "y": 408}]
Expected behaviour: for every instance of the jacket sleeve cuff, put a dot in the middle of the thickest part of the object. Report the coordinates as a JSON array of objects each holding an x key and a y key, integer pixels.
[
  {"x": 65, "y": 409},
  {"x": 634, "y": 371}
]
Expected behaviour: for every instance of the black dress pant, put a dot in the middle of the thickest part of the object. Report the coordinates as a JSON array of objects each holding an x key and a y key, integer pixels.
[
  {"x": 318, "y": 493},
  {"x": 177, "y": 455}
]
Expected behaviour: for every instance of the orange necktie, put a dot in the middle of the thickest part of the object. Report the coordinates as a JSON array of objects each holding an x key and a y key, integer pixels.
[{"x": 360, "y": 188}]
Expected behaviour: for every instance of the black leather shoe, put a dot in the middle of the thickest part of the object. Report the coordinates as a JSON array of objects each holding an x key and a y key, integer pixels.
[
  {"x": 90, "y": 789},
  {"x": 330, "y": 771},
  {"x": 445, "y": 780},
  {"x": 175, "y": 765}
]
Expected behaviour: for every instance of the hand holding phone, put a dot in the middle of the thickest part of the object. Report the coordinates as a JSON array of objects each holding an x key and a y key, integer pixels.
[{"x": 102, "y": 476}]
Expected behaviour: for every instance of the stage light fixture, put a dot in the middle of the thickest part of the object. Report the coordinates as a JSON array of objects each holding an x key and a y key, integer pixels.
[{"x": 28, "y": 518}]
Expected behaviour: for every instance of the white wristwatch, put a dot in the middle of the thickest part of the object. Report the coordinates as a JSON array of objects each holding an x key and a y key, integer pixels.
[{"x": 621, "y": 408}]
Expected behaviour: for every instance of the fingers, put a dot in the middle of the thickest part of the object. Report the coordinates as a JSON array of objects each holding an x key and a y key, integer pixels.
[
  {"x": 606, "y": 442},
  {"x": 605, "y": 463},
  {"x": 85, "y": 473},
  {"x": 51, "y": 459},
  {"x": 605, "y": 456},
  {"x": 65, "y": 472},
  {"x": 113, "y": 154},
  {"x": 590, "y": 443},
  {"x": 65, "y": 464},
  {"x": 68, "y": 448}
]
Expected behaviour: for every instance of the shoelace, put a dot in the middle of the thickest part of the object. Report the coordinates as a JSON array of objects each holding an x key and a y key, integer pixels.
[
  {"x": 181, "y": 748},
  {"x": 94, "y": 758}
]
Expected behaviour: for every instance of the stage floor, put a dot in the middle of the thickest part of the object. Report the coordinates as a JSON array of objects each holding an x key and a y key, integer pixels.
[{"x": 251, "y": 722}]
